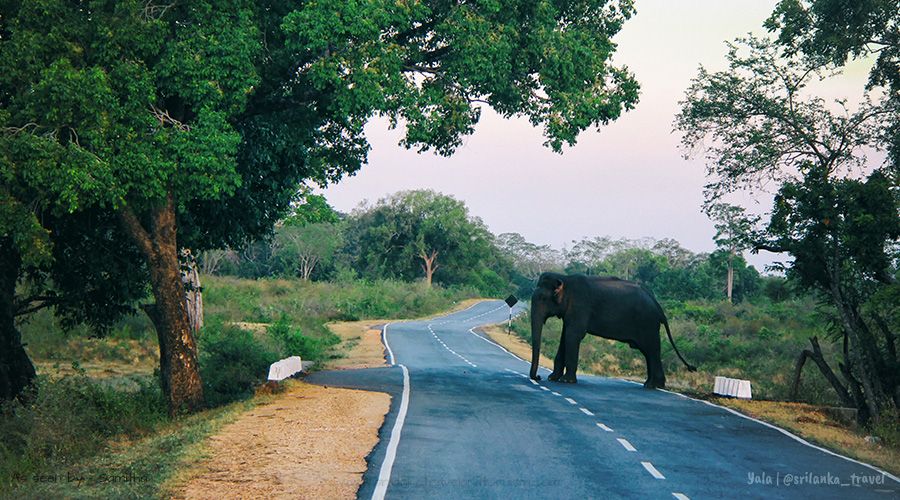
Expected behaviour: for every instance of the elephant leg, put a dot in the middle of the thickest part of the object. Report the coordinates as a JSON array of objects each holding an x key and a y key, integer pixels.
[
  {"x": 574, "y": 335},
  {"x": 656, "y": 375},
  {"x": 559, "y": 362}
]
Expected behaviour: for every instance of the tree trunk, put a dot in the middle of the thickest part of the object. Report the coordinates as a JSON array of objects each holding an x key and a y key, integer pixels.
[
  {"x": 190, "y": 277},
  {"x": 863, "y": 353},
  {"x": 429, "y": 265},
  {"x": 730, "y": 283},
  {"x": 16, "y": 370},
  {"x": 307, "y": 265},
  {"x": 178, "y": 365},
  {"x": 817, "y": 356}
]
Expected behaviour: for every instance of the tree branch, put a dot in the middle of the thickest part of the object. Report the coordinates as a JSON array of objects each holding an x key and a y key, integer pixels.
[{"x": 134, "y": 227}]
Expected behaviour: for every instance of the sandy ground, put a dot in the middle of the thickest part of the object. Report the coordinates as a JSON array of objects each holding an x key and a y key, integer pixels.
[
  {"x": 310, "y": 442},
  {"x": 360, "y": 344}
]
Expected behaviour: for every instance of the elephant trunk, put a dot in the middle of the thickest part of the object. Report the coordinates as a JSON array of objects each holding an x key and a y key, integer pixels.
[{"x": 537, "y": 326}]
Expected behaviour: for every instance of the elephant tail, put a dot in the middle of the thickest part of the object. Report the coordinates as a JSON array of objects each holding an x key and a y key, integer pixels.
[{"x": 690, "y": 367}]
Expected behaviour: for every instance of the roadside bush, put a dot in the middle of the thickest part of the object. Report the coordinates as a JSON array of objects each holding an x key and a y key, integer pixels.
[
  {"x": 232, "y": 363},
  {"x": 292, "y": 342},
  {"x": 69, "y": 419}
]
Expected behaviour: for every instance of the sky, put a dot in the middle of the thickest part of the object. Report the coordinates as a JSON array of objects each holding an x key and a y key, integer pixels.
[{"x": 629, "y": 179}]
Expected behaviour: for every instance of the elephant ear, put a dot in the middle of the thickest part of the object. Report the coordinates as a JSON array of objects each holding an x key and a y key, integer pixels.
[{"x": 558, "y": 292}]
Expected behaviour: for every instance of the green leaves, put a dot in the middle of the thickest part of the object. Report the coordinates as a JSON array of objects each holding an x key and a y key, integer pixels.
[
  {"x": 431, "y": 64},
  {"x": 210, "y": 60}
]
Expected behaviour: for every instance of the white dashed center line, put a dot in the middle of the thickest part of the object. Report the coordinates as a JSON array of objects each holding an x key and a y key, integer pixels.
[
  {"x": 625, "y": 444},
  {"x": 652, "y": 470},
  {"x": 460, "y": 356}
]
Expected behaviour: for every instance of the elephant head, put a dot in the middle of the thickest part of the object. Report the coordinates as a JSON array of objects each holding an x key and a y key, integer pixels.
[{"x": 547, "y": 300}]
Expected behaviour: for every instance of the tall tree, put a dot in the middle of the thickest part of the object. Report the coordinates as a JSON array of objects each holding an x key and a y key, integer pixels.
[
  {"x": 195, "y": 122},
  {"x": 841, "y": 231},
  {"x": 528, "y": 259},
  {"x": 300, "y": 249},
  {"x": 733, "y": 235}
]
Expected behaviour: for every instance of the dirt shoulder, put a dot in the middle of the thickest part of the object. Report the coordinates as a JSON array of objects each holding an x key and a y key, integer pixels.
[
  {"x": 360, "y": 346},
  {"x": 813, "y": 424},
  {"x": 309, "y": 442}
]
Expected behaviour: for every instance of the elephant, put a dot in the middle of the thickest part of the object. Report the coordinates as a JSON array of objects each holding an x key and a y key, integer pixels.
[{"x": 607, "y": 307}]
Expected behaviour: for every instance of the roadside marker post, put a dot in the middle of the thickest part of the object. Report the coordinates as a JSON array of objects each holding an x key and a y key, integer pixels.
[{"x": 510, "y": 301}]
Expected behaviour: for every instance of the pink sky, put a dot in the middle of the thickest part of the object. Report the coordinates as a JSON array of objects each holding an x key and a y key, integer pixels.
[{"x": 626, "y": 180}]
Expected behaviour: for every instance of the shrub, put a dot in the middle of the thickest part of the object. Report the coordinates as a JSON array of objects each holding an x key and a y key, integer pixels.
[
  {"x": 232, "y": 363},
  {"x": 292, "y": 342},
  {"x": 72, "y": 418}
]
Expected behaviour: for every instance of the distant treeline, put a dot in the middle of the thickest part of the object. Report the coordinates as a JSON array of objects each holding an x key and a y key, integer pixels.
[{"x": 427, "y": 236}]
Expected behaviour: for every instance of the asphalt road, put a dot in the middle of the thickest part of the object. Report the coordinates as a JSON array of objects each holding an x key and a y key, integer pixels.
[{"x": 472, "y": 425}]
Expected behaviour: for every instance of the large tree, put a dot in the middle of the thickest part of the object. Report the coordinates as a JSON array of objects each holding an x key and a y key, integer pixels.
[
  {"x": 418, "y": 234},
  {"x": 194, "y": 122},
  {"x": 835, "y": 212}
]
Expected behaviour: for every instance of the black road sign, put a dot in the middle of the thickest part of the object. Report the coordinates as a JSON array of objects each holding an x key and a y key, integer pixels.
[{"x": 511, "y": 300}]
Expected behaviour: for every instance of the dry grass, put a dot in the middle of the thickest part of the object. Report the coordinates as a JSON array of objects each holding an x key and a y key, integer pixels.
[
  {"x": 360, "y": 345},
  {"x": 308, "y": 442},
  {"x": 256, "y": 328},
  {"x": 814, "y": 425}
]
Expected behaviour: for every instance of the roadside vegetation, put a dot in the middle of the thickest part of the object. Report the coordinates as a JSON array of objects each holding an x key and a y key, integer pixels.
[{"x": 98, "y": 425}]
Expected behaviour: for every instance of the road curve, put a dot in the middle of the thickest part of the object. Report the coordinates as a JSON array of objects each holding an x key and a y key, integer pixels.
[{"x": 472, "y": 425}]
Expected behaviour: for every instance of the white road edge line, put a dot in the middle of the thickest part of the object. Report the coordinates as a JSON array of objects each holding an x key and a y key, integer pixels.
[
  {"x": 652, "y": 470},
  {"x": 384, "y": 477},
  {"x": 798, "y": 438},
  {"x": 681, "y": 496},
  {"x": 586, "y": 412},
  {"x": 625, "y": 444},
  {"x": 571, "y": 401},
  {"x": 604, "y": 427},
  {"x": 489, "y": 341},
  {"x": 386, "y": 345}
]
